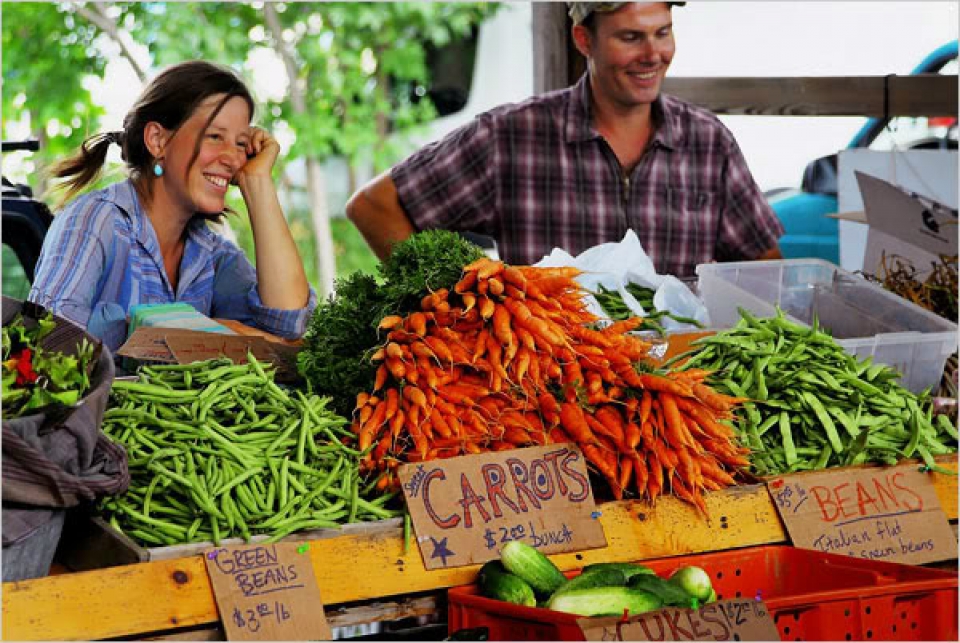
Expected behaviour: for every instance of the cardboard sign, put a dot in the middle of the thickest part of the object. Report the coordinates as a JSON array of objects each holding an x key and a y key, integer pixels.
[
  {"x": 171, "y": 345},
  {"x": 187, "y": 349},
  {"x": 150, "y": 345},
  {"x": 466, "y": 509},
  {"x": 739, "y": 619},
  {"x": 267, "y": 593},
  {"x": 890, "y": 514}
]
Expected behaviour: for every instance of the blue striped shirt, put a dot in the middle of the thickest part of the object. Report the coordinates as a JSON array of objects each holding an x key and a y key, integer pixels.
[{"x": 101, "y": 257}]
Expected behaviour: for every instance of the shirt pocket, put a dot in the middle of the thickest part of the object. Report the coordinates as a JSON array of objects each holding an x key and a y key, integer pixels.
[{"x": 695, "y": 221}]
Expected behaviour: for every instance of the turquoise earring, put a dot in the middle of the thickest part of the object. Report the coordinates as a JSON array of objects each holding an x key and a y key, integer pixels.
[{"x": 157, "y": 169}]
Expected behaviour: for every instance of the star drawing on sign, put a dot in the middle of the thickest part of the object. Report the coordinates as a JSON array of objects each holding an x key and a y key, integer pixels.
[{"x": 440, "y": 550}]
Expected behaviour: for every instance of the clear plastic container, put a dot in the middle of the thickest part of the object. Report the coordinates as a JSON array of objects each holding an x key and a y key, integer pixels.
[{"x": 863, "y": 317}]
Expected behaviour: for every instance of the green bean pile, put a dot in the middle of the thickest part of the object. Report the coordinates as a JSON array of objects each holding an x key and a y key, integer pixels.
[
  {"x": 615, "y": 308},
  {"x": 801, "y": 385},
  {"x": 218, "y": 450}
]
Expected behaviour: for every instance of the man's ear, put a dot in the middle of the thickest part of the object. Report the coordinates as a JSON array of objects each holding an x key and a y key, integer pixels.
[
  {"x": 582, "y": 39},
  {"x": 155, "y": 137}
]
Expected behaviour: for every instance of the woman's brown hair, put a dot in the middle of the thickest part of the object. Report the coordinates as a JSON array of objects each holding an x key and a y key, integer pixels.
[{"x": 170, "y": 99}]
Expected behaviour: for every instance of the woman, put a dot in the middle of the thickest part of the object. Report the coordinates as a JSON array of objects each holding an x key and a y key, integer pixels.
[{"x": 146, "y": 240}]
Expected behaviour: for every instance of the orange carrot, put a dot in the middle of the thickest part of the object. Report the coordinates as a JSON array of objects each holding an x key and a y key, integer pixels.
[
  {"x": 664, "y": 385},
  {"x": 612, "y": 420},
  {"x": 514, "y": 277},
  {"x": 490, "y": 269},
  {"x": 673, "y": 422},
  {"x": 418, "y": 323},
  {"x": 623, "y": 326},
  {"x": 595, "y": 457},
  {"x": 466, "y": 283},
  {"x": 713, "y": 399},
  {"x": 626, "y": 474},
  {"x": 362, "y": 399},
  {"x": 390, "y": 322},
  {"x": 415, "y": 396},
  {"x": 381, "y": 377},
  {"x": 439, "y": 348},
  {"x": 365, "y": 414},
  {"x": 501, "y": 325},
  {"x": 573, "y": 421}
]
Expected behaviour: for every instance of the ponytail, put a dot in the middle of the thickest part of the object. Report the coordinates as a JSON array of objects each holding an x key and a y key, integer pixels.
[{"x": 85, "y": 166}]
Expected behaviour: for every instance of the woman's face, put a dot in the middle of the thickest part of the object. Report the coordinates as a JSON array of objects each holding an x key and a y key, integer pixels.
[{"x": 202, "y": 187}]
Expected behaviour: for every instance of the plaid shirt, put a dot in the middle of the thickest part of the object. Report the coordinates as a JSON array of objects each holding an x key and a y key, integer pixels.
[
  {"x": 537, "y": 175},
  {"x": 101, "y": 257}
]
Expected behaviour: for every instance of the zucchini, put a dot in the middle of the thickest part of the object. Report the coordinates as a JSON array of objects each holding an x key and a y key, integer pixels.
[
  {"x": 593, "y": 578},
  {"x": 605, "y": 601},
  {"x": 669, "y": 593},
  {"x": 532, "y": 566},
  {"x": 629, "y": 570}
]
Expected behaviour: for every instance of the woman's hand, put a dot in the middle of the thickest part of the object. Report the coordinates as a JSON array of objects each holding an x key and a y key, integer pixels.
[{"x": 262, "y": 152}]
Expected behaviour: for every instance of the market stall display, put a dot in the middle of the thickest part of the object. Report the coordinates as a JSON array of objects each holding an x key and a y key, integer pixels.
[
  {"x": 811, "y": 404},
  {"x": 218, "y": 450},
  {"x": 833, "y": 598},
  {"x": 863, "y": 318},
  {"x": 452, "y": 353},
  {"x": 509, "y": 358},
  {"x": 934, "y": 290},
  {"x": 56, "y": 380}
]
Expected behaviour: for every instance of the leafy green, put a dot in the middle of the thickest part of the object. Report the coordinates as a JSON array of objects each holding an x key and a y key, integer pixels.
[
  {"x": 341, "y": 330},
  {"x": 335, "y": 357},
  {"x": 34, "y": 377},
  {"x": 424, "y": 263}
]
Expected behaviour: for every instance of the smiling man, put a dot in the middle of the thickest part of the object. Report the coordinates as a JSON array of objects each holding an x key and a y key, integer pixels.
[{"x": 580, "y": 166}]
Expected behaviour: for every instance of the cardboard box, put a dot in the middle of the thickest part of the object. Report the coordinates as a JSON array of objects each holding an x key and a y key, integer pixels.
[
  {"x": 179, "y": 346},
  {"x": 932, "y": 173},
  {"x": 902, "y": 223}
]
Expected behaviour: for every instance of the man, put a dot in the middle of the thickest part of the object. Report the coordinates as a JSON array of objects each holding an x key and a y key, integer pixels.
[{"x": 578, "y": 167}]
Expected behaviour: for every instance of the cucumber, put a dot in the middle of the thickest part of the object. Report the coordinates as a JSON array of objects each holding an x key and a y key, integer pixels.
[
  {"x": 593, "y": 578},
  {"x": 605, "y": 601},
  {"x": 532, "y": 566},
  {"x": 629, "y": 570},
  {"x": 499, "y": 584},
  {"x": 668, "y": 592}
]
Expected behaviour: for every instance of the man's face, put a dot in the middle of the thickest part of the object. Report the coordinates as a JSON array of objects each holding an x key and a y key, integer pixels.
[{"x": 629, "y": 51}]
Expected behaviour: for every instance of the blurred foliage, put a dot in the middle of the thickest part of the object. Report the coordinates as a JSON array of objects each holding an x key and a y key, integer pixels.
[
  {"x": 356, "y": 63},
  {"x": 47, "y": 53},
  {"x": 360, "y": 67}
]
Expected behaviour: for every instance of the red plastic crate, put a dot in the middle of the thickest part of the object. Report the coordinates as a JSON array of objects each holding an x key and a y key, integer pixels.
[{"x": 812, "y": 596}]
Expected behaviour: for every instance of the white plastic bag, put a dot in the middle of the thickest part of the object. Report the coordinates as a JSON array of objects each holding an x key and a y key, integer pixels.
[{"x": 614, "y": 265}]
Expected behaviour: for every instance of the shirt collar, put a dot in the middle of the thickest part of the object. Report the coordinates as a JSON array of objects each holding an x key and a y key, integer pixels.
[
  {"x": 124, "y": 195},
  {"x": 579, "y": 126},
  {"x": 201, "y": 240}
]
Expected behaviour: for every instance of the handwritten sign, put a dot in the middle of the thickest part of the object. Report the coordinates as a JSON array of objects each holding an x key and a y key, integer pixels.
[
  {"x": 466, "y": 509},
  {"x": 267, "y": 593},
  {"x": 202, "y": 346},
  {"x": 891, "y": 514},
  {"x": 739, "y": 619}
]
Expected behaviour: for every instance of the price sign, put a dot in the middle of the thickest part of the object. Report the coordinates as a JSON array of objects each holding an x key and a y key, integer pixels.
[
  {"x": 891, "y": 514},
  {"x": 267, "y": 593},
  {"x": 738, "y": 619},
  {"x": 465, "y": 509}
]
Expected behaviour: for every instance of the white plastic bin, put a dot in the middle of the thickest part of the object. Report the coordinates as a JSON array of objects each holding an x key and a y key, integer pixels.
[{"x": 863, "y": 317}]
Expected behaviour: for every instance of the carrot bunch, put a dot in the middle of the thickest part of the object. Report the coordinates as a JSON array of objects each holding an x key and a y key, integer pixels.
[{"x": 508, "y": 360}]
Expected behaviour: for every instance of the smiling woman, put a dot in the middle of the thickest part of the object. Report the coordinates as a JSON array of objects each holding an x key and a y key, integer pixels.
[{"x": 145, "y": 240}]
